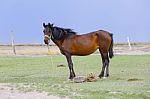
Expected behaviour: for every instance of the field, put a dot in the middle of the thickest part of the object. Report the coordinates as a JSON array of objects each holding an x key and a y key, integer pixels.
[
  {"x": 129, "y": 76},
  {"x": 31, "y": 74}
]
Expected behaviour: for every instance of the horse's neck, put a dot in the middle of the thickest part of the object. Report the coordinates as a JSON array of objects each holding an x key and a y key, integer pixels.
[
  {"x": 57, "y": 33},
  {"x": 58, "y": 43}
]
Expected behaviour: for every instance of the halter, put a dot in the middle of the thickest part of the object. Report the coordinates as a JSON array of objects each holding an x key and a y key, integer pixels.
[{"x": 47, "y": 36}]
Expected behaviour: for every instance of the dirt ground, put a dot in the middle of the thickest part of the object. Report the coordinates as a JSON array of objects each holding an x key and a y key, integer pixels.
[
  {"x": 7, "y": 50},
  {"x": 8, "y": 91},
  {"x": 136, "y": 49},
  {"x": 119, "y": 49}
]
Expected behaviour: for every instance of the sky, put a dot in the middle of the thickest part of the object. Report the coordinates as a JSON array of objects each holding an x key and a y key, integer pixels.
[{"x": 123, "y": 18}]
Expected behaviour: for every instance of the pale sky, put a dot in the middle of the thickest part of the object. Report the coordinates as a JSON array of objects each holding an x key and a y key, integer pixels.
[{"x": 123, "y": 18}]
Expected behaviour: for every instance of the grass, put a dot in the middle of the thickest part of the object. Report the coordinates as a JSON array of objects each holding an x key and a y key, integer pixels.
[{"x": 129, "y": 76}]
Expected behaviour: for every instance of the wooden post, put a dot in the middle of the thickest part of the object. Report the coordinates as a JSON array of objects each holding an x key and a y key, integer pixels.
[
  {"x": 129, "y": 44},
  {"x": 13, "y": 43}
]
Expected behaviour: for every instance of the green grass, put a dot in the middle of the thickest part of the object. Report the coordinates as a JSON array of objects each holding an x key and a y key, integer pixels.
[{"x": 129, "y": 76}]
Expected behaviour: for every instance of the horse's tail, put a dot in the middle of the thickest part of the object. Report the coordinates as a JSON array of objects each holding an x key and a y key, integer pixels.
[{"x": 111, "y": 53}]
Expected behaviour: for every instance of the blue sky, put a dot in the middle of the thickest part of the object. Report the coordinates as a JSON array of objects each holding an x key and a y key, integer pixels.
[{"x": 121, "y": 17}]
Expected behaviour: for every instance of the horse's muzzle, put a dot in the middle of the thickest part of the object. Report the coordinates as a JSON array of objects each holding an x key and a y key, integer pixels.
[{"x": 46, "y": 41}]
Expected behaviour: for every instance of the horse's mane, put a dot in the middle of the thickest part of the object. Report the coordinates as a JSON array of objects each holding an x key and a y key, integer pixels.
[
  {"x": 60, "y": 33},
  {"x": 67, "y": 30}
]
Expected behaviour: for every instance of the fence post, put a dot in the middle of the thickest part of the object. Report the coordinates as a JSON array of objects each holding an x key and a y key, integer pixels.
[
  {"x": 129, "y": 44},
  {"x": 13, "y": 43}
]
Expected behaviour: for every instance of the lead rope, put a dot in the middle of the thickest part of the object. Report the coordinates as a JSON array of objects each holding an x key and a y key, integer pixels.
[{"x": 50, "y": 55}]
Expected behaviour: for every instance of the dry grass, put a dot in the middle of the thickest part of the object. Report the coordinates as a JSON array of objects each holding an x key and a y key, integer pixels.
[
  {"x": 31, "y": 49},
  {"x": 28, "y": 50},
  {"x": 89, "y": 78}
]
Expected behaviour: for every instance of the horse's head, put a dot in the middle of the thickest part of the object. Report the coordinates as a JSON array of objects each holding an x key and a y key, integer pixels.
[{"x": 47, "y": 32}]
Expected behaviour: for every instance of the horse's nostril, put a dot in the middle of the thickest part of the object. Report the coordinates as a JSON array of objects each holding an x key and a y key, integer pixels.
[{"x": 46, "y": 41}]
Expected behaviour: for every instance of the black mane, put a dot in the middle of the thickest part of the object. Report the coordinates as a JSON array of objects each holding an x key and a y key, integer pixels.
[
  {"x": 69, "y": 31},
  {"x": 60, "y": 33}
]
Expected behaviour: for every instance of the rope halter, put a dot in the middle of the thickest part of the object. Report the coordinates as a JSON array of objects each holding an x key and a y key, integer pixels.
[{"x": 47, "y": 36}]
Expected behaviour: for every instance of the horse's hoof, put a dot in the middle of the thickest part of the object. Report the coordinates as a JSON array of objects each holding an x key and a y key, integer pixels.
[
  {"x": 71, "y": 78},
  {"x": 104, "y": 77},
  {"x": 107, "y": 75},
  {"x": 100, "y": 76}
]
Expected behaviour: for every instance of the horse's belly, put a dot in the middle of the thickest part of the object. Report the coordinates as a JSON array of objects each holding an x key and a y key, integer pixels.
[{"x": 84, "y": 50}]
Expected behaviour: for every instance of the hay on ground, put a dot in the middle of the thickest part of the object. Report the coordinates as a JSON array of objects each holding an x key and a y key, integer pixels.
[{"x": 89, "y": 78}]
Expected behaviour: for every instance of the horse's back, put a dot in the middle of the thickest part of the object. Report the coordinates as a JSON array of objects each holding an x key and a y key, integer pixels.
[{"x": 97, "y": 36}]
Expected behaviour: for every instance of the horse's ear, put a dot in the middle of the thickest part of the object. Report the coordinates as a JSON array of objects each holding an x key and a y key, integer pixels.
[
  {"x": 44, "y": 25},
  {"x": 49, "y": 24},
  {"x": 52, "y": 25}
]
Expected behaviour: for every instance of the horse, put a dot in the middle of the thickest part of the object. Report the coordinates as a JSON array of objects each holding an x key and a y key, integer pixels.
[{"x": 69, "y": 44}]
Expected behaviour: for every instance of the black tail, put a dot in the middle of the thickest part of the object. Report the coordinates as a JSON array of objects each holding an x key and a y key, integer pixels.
[{"x": 111, "y": 53}]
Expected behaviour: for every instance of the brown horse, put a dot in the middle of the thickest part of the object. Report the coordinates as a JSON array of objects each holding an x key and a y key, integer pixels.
[{"x": 70, "y": 44}]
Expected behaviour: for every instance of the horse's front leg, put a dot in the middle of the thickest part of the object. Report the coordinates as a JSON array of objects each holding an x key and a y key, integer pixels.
[{"x": 70, "y": 65}]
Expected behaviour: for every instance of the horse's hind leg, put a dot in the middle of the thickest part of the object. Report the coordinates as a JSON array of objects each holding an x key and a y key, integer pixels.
[{"x": 105, "y": 67}]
